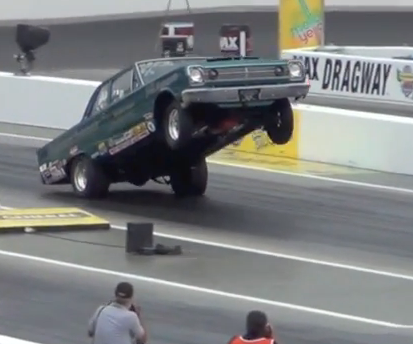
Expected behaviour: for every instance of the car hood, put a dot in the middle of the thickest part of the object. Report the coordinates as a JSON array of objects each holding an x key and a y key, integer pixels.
[{"x": 222, "y": 63}]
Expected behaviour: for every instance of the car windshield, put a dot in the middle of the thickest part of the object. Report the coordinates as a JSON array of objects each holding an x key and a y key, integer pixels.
[{"x": 152, "y": 69}]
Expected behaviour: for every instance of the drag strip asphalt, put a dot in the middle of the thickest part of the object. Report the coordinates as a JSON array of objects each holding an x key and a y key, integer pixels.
[
  {"x": 288, "y": 285},
  {"x": 370, "y": 227},
  {"x": 347, "y": 222},
  {"x": 96, "y": 50},
  {"x": 51, "y": 305}
]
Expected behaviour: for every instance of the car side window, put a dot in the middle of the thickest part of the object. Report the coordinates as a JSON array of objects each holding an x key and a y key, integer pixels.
[
  {"x": 101, "y": 101},
  {"x": 122, "y": 85},
  {"x": 136, "y": 81}
]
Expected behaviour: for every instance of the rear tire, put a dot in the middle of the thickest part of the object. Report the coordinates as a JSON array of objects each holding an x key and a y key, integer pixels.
[
  {"x": 177, "y": 126},
  {"x": 88, "y": 179},
  {"x": 280, "y": 122},
  {"x": 190, "y": 180}
]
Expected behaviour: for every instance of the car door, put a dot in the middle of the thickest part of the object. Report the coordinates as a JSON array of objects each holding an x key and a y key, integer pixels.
[
  {"x": 126, "y": 108},
  {"x": 91, "y": 130},
  {"x": 82, "y": 136},
  {"x": 110, "y": 112},
  {"x": 105, "y": 117}
]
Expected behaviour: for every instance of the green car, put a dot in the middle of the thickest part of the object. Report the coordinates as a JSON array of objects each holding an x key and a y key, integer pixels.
[{"x": 159, "y": 119}]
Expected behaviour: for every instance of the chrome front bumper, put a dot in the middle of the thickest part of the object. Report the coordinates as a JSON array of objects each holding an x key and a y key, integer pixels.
[{"x": 231, "y": 94}]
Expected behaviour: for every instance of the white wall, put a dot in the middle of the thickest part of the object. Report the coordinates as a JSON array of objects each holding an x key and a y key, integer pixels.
[
  {"x": 328, "y": 135},
  {"x": 33, "y": 10},
  {"x": 43, "y": 101},
  {"x": 387, "y": 52},
  {"x": 357, "y": 139}
]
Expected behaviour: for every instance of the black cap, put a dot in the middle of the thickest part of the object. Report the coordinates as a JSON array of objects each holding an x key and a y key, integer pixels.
[
  {"x": 124, "y": 290},
  {"x": 256, "y": 321}
]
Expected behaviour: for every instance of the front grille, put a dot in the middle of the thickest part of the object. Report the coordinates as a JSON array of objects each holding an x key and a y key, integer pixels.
[{"x": 246, "y": 73}]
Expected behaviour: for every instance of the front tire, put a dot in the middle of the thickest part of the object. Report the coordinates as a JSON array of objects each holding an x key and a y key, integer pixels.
[
  {"x": 88, "y": 179},
  {"x": 190, "y": 180},
  {"x": 177, "y": 126},
  {"x": 280, "y": 122}
]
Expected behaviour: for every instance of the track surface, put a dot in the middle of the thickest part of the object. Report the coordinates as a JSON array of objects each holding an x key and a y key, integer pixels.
[
  {"x": 51, "y": 305},
  {"x": 293, "y": 215},
  {"x": 94, "y": 51}
]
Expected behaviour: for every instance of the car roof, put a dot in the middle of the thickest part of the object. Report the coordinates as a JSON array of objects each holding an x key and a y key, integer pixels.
[{"x": 183, "y": 58}]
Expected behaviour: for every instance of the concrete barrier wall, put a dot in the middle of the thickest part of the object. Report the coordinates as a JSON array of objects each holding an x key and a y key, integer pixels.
[
  {"x": 328, "y": 135},
  {"x": 357, "y": 139},
  {"x": 75, "y": 10},
  {"x": 43, "y": 101}
]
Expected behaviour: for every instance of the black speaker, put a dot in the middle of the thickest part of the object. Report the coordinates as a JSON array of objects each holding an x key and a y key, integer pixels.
[
  {"x": 29, "y": 37},
  {"x": 139, "y": 237}
]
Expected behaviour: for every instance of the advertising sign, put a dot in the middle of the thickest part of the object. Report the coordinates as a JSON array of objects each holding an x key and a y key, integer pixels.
[
  {"x": 52, "y": 219},
  {"x": 179, "y": 30},
  {"x": 256, "y": 149},
  {"x": 340, "y": 74},
  {"x": 235, "y": 40},
  {"x": 359, "y": 77},
  {"x": 301, "y": 24}
]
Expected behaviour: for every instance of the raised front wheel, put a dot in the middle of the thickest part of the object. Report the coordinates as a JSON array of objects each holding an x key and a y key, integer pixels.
[
  {"x": 279, "y": 123},
  {"x": 177, "y": 126}
]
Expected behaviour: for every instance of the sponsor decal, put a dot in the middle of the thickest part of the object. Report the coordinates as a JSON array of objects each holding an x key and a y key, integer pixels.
[
  {"x": 129, "y": 138},
  {"x": 53, "y": 171},
  {"x": 348, "y": 75},
  {"x": 73, "y": 150},
  {"x": 261, "y": 139},
  {"x": 148, "y": 116},
  {"x": 43, "y": 168},
  {"x": 258, "y": 145},
  {"x": 102, "y": 149},
  {"x": 405, "y": 78}
]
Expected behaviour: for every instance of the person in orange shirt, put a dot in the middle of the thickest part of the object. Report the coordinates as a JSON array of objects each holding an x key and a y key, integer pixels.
[{"x": 258, "y": 330}]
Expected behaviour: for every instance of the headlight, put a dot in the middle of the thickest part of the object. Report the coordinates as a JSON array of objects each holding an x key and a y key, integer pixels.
[
  {"x": 196, "y": 75},
  {"x": 296, "y": 70}
]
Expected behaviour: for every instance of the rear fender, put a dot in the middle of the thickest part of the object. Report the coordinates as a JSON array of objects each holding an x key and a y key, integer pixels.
[
  {"x": 69, "y": 162},
  {"x": 163, "y": 99}
]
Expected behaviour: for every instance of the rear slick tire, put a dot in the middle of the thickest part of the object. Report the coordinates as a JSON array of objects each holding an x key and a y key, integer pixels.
[
  {"x": 88, "y": 179},
  {"x": 190, "y": 181}
]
